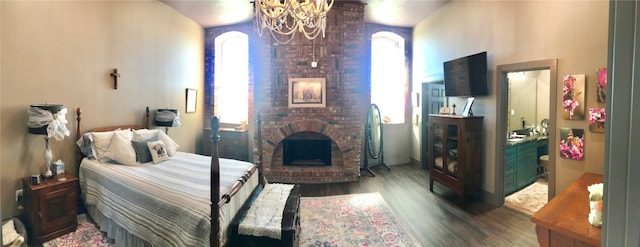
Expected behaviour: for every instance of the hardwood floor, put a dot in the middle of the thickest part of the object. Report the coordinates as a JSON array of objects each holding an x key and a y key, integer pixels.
[{"x": 435, "y": 218}]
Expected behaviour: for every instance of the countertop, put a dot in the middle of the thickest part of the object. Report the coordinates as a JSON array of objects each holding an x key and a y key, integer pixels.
[
  {"x": 568, "y": 212},
  {"x": 528, "y": 139}
]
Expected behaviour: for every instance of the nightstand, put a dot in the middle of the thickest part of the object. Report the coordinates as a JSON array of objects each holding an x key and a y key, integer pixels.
[
  {"x": 233, "y": 144},
  {"x": 50, "y": 207}
]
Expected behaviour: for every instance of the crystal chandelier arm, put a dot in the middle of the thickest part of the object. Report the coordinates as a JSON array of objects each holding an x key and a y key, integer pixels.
[
  {"x": 286, "y": 17},
  {"x": 272, "y": 9}
]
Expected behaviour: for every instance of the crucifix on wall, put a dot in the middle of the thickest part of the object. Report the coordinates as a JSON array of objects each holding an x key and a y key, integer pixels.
[{"x": 115, "y": 76}]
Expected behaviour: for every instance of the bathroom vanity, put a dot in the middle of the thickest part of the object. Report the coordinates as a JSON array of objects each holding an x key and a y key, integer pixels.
[{"x": 521, "y": 162}]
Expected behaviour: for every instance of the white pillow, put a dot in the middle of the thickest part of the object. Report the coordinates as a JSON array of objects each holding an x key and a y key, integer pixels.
[
  {"x": 102, "y": 140},
  {"x": 144, "y": 134},
  {"x": 169, "y": 143},
  {"x": 121, "y": 151},
  {"x": 158, "y": 151}
]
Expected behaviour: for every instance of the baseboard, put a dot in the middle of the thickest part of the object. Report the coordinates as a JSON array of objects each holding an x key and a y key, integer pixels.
[
  {"x": 414, "y": 161},
  {"x": 491, "y": 198}
]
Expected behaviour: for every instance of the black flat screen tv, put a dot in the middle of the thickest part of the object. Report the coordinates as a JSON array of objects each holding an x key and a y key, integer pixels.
[{"x": 466, "y": 76}]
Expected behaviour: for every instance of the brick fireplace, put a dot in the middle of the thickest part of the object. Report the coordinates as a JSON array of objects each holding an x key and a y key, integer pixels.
[
  {"x": 342, "y": 63},
  {"x": 342, "y": 60}
]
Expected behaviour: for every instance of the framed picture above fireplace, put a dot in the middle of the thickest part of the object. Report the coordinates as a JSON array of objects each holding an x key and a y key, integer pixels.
[{"x": 307, "y": 92}]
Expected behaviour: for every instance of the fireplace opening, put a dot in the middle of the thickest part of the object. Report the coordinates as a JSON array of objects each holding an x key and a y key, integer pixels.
[{"x": 303, "y": 150}]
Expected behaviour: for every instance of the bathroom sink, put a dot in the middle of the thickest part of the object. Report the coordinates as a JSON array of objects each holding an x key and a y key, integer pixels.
[{"x": 516, "y": 139}]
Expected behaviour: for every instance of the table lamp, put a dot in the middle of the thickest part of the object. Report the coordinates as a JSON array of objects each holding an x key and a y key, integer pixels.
[
  {"x": 48, "y": 120},
  {"x": 167, "y": 118}
]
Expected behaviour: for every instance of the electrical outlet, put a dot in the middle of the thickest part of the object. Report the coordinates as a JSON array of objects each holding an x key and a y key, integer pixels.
[{"x": 18, "y": 195}]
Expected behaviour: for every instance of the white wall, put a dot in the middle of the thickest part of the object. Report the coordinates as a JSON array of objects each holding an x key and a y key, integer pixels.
[{"x": 63, "y": 51}]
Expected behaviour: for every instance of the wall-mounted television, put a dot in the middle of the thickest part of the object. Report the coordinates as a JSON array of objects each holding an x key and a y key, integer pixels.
[{"x": 466, "y": 76}]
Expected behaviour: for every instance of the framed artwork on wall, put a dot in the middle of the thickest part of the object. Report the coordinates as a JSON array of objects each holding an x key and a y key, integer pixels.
[
  {"x": 191, "y": 98},
  {"x": 572, "y": 143},
  {"x": 573, "y": 97},
  {"x": 601, "y": 84},
  {"x": 307, "y": 92},
  {"x": 597, "y": 117}
]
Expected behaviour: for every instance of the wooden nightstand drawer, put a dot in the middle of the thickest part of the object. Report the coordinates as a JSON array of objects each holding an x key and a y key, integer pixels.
[
  {"x": 51, "y": 207},
  {"x": 233, "y": 144}
]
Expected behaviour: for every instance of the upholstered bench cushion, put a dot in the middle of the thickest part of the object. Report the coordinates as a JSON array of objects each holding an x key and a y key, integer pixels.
[{"x": 289, "y": 230}]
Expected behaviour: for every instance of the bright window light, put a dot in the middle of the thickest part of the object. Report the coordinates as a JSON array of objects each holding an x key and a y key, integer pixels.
[
  {"x": 231, "y": 82},
  {"x": 388, "y": 76}
]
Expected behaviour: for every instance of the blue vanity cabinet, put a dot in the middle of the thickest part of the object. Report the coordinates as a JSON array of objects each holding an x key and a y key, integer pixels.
[
  {"x": 510, "y": 169},
  {"x": 521, "y": 167},
  {"x": 527, "y": 170}
]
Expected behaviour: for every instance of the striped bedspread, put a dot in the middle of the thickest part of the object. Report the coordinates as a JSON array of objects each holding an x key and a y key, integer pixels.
[{"x": 166, "y": 204}]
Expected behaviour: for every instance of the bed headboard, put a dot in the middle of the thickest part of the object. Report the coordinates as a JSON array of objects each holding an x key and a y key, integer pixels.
[{"x": 79, "y": 132}]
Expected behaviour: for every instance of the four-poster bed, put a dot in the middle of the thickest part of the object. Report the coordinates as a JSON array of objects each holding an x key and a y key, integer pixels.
[{"x": 165, "y": 204}]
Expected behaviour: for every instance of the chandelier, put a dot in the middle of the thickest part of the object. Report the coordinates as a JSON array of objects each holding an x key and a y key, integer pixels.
[{"x": 287, "y": 17}]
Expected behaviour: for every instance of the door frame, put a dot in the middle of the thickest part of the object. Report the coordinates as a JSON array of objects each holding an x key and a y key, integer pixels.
[{"x": 501, "y": 121}]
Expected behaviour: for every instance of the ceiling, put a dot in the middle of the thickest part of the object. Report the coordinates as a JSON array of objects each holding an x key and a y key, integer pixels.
[{"x": 210, "y": 13}]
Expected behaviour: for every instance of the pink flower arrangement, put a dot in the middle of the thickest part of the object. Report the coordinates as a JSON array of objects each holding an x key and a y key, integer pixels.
[
  {"x": 568, "y": 93},
  {"x": 602, "y": 77},
  {"x": 572, "y": 148},
  {"x": 597, "y": 116}
]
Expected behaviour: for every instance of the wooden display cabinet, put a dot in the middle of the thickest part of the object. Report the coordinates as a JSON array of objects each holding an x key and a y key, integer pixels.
[
  {"x": 455, "y": 148},
  {"x": 50, "y": 207}
]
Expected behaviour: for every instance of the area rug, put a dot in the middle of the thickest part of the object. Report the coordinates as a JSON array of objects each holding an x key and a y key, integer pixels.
[
  {"x": 530, "y": 199},
  {"x": 350, "y": 220},
  {"x": 87, "y": 235},
  {"x": 331, "y": 221}
]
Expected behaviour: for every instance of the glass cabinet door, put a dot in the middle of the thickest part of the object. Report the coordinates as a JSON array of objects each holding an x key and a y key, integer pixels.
[{"x": 445, "y": 148}]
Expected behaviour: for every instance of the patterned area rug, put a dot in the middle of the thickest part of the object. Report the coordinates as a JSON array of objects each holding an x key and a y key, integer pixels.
[
  {"x": 530, "y": 199},
  {"x": 331, "y": 221},
  {"x": 350, "y": 220},
  {"x": 86, "y": 235}
]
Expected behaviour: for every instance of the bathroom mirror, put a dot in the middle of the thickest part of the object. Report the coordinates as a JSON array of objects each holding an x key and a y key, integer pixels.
[
  {"x": 528, "y": 98},
  {"x": 373, "y": 140}
]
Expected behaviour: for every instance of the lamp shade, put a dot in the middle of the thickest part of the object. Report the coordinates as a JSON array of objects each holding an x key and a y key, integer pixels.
[
  {"x": 167, "y": 118},
  {"x": 40, "y": 116}
]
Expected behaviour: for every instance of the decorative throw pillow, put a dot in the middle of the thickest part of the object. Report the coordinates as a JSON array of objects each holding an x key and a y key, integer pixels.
[
  {"x": 142, "y": 151},
  {"x": 84, "y": 144},
  {"x": 158, "y": 151},
  {"x": 143, "y": 134},
  {"x": 121, "y": 151},
  {"x": 102, "y": 140},
  {"x": 169, "y": 143}
]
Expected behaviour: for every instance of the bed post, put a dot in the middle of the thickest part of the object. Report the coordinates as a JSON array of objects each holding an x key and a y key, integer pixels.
[
  {"x": 146, "y": 118},
  {"x": 259, "y": 143},
  {"x": 215, "y": 184},
  {"x": 78, "y": 136}
]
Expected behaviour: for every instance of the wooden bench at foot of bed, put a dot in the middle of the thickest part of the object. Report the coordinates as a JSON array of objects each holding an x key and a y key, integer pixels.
[{"x": 289, "y": 230}]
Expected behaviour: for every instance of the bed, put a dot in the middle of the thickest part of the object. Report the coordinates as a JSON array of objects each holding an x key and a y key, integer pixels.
[{"x": 167, "y": 203}]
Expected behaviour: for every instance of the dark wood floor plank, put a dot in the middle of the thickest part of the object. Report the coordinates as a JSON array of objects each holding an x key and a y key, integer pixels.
[{"x": 435, "y": 218}]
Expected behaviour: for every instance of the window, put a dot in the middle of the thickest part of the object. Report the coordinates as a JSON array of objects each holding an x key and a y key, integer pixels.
[
  {"x": 231, "y": 81},
  {"x": 388, "y": 76}
]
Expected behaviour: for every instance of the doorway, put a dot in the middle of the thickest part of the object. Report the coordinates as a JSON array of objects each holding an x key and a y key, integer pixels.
[{"x": 503, "y": 112}]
